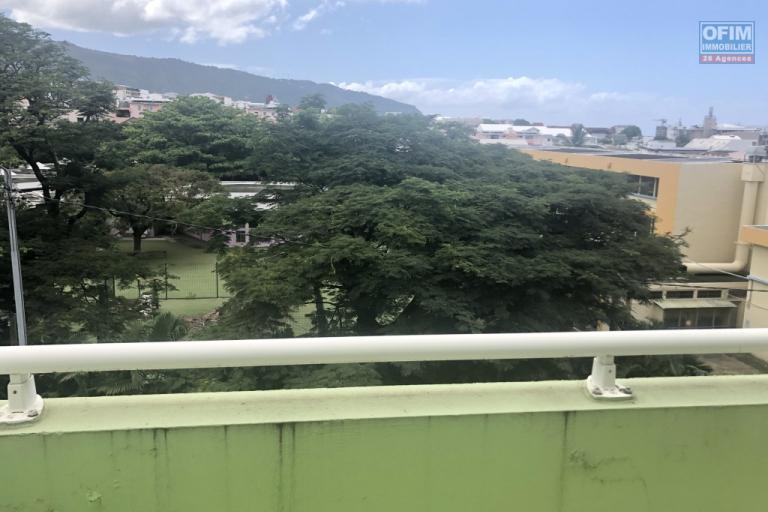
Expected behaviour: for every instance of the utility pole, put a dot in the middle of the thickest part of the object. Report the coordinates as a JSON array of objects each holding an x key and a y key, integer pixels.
[
  {"x": 18, "y": 287},
  {"x": 24, "y": 404}
]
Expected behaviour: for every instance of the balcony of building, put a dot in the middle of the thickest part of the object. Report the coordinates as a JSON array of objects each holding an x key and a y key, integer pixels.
[{"x": 668, "y": 444}]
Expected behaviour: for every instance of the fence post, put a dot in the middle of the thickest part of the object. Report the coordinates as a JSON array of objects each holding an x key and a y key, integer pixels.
[
  {"x": 166, "y": 281},
  {"x": 216, "y": 274}
]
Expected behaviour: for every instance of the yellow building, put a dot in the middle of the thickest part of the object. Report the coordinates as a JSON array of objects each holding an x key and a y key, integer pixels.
[{"x": 715, "y": 204}]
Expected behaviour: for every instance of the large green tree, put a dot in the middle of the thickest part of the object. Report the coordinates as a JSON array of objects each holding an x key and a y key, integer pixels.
[
  {"x": 397, "y": 226},
  {"x": 39, "y": 84},
  {"x": 194, "y": 133},
  {"x": 69, "y": 259},
  {"x": 145, "y": 196}
]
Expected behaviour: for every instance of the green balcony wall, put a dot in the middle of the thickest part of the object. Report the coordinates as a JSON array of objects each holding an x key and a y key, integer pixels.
[{"x": 685, "y": 444}]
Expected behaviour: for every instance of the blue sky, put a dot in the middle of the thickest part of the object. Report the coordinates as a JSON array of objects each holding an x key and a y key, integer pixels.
[{"x": 554, "y": 61}]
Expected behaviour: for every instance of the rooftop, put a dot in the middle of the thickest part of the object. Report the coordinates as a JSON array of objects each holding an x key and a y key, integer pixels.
[{"x": 608, "y": 153}]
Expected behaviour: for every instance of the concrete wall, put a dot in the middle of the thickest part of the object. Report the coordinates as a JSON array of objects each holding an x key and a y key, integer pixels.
[
  {"x": 686, "y": 444},
  {"x": 756, "y": 311},
  {"x": 761, "y": 215},
  {"x": 709, "y": 204}
]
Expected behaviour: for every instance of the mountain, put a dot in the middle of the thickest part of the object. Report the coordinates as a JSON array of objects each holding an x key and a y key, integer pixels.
[{"x": 175, "y": 75}]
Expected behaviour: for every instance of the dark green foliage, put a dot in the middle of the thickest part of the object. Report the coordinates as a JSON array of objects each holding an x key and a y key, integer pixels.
[
  {"x": 577, "y": 134},
  {"x": 312, "y": 101},
  {"x": 195, "y": 133},
  {"x": 632, "y": 132},
  {"x": 69, "y": 260},
  {"x": 397, "y": 228},
  {"x": 138, "y": 196},
  {"x": 396, "y": 225}
]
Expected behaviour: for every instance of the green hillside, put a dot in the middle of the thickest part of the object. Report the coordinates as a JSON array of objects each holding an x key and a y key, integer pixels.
[{"x": 174, "y": 75}]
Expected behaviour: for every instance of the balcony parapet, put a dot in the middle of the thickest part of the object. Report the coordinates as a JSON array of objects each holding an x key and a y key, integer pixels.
[{"x": 683, "y": 444}]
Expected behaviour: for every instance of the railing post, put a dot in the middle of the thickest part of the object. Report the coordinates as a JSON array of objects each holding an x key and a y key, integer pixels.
[
  {"x": 24, "y": 404},
  {"x": 601, "y": 384}
]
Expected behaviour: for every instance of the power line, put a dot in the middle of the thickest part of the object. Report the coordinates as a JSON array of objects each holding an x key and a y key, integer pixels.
[{"x": 112, "y": 211}]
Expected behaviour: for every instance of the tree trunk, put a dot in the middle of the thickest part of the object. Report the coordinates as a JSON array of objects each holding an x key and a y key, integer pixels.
[
  {"x": 321, "y": 320},
  {"x": 137, "y": 234},
  {"x": 366, "y": 321}
]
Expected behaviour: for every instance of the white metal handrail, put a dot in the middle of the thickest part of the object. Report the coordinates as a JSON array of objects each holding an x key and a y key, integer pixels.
[{"x": 22, "y": 361}]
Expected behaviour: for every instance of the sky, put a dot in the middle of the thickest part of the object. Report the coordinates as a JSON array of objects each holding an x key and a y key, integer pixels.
[{"x": 556, "y": 62}]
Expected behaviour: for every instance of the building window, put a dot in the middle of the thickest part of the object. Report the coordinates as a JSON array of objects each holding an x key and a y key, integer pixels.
[
  {"x": 680, "y": 294},
  {"x": 656, "y": 294},
  {"x": 240, "y": 237},
  {"x": 741, "y": 294},
  {"x": 709, "y": 294},
  {"x": 704, "y": 318},
  {"x": 643, "y": 186}
]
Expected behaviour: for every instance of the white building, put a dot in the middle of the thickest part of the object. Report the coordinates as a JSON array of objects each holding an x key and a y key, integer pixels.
[{"x": 517, "y": 135}]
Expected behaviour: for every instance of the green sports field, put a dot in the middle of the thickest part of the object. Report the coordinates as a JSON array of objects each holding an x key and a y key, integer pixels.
[{"x": 192, "y": 273}]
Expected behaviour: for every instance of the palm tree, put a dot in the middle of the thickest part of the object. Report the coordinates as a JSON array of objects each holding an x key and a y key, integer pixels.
[{"x": 163, "y": 327}]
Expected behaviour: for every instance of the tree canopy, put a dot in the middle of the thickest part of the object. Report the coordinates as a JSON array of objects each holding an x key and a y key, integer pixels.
[
  {"x": 380, "y": 224},
  {"x": 195, "y": 133},
  {"x": 69, "y": 258},
  {"x": 396, "y": 227},
  {"x": 632, "y": 132}
]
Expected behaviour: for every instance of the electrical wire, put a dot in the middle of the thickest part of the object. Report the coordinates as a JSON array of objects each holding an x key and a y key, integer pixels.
[{"x": 112, "y": 211}]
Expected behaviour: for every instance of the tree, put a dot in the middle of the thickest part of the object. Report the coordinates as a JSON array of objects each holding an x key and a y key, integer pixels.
[
  {"x": 70, "y": 262},
  {"x": 227, "y": 214},
  {"x": 420, "y": 257},
  {"x": 39, "y": 84},
  {"x": 312, "y": 101},
  {"x": 194, "y": 133},
  {"x": 682, "y": 139},
  {"x": 632, "y": 132},
  {"x": 138, "y": 196},
  {"x": 578, "y": 133},
  {"x": 396, "y": 227},
  {"x": 521, "y": 122}
]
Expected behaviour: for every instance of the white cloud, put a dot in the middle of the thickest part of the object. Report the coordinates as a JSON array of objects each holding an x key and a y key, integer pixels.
[
  {"x": 545, "y": 99},
  {"x": 225, "y": 21},
  {"x": 326, "y": 6},
  {"x": 302, "y": 21}
]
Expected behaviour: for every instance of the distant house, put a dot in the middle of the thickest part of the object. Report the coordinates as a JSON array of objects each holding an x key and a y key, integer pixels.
[
  {"x": 519, "y": 135},
  {"x": 242, "y": 235},
  {"x": 267, "y": 110},
  {"x": 730, "y": 146}
]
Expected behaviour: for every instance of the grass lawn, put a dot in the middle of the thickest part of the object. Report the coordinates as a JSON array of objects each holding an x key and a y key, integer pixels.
[
  {"x": 195, "y": 293},
  {"x": 191, "y": 271}
]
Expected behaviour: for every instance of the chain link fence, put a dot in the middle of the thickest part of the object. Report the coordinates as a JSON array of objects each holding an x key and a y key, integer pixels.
[{"x": 198, "y": 281}]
